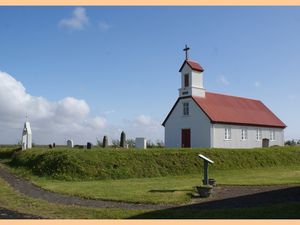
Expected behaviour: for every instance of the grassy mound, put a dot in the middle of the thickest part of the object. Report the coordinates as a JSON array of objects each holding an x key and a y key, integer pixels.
[
  {"x": 118, "y": 164},
  {"x": 6, "y": 152}
]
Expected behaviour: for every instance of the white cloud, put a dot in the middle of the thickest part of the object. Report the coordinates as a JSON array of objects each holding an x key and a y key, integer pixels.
[
  {"x": 144, "y": 126},
  {"x": 78, "y": 21},
  {"x": 50, "y": 121},
  {"x": 97, "y": 122},
  {"x": 104, "y": 25},
  {"x": 257, "y": 84},
  {"x": 58, "y": 121},
  {"x": 222, "y": 80},
  {"x": 144, "y": 120}
]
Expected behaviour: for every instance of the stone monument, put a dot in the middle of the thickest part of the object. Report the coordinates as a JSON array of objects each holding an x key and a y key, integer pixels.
[
  {"x": 141, "y": 143},
  {"x": 70, "y": 143},
  {"x": 26, "y": 136}
]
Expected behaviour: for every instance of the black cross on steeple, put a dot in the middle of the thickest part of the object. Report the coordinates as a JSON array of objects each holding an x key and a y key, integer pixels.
[{"x": 186, "y": 49}]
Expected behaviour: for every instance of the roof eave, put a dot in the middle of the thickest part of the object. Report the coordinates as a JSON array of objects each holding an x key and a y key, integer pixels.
[{"x": 249, "y": 124}]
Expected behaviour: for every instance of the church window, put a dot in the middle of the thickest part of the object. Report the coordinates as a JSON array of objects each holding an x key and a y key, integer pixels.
[
  {"x": 186, "y": 110},
  {"x": 227, "y": 133},
  {"x": 244, "y": 134},
  {"x": 186, "y": 80},
  {"x": 272, "y": 135},
  {"x": 258, "y": 134}
]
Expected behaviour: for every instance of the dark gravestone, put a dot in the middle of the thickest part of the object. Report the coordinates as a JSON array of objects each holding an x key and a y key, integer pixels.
[
  {"x": 50, "y": 146},
  {"x": 105, "y": 142},
  {"x": 53, "y": 145},
  {"x": 89, "y": 145}
]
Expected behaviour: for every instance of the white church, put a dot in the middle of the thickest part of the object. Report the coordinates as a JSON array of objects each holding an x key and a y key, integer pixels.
[{"x": 202, "y": 119}]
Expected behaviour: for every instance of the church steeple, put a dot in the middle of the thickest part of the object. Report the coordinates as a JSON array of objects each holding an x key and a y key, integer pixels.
[{"x": 191, "y": 77}]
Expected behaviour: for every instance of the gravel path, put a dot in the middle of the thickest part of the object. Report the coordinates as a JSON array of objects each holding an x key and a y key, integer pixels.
[{"x": 31, "y": 190}]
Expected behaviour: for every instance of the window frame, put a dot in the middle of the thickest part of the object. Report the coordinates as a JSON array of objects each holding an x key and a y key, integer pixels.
[
  {"x": 272, "y": 135},
  {"x": 227, "y": 133},
  {"x": 186, "y": 80},
  {"x": 258, "y": 134},
  {"x": 186, "y": 109},
  {"x": 244, "y": 134}
]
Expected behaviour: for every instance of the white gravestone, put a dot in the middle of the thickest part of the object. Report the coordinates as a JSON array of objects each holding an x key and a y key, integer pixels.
[
  {"x": 141, "y": 143},
  {"x": 26, "y": 137},
  {"x": 70, "y": 143}
]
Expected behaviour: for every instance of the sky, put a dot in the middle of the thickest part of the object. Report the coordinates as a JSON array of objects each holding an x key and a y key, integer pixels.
[{"x": 84, "y": 72}]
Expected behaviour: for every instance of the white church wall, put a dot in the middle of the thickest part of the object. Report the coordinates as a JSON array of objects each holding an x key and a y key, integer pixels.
[
  {"x": 236, "y": 141},
  {"x": 197, "y": 121}
]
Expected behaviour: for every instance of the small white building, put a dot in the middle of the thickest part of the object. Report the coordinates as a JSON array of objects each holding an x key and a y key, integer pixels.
[
  {"x": 26, "y": 136},
  {"x": 210, "y": 120}
]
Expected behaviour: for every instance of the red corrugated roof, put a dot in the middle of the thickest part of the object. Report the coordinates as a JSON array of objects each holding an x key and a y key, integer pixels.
[
  {"x": 231, "y": 109},
  {"x": 194, "y": 65},
  {"x": 235, "y": 110}
]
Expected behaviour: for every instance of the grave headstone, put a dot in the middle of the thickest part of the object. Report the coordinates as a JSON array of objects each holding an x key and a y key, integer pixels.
[
  {"x": 105, "y": 142},
  {"x": 53, "y": 145},
  {"x": 123, "y": 140},
  {"x": 70, "y": 143},
  {"x": 89, "y": 145},
  {"x": 50, "y": 146},
  {"x": 141, "y": 143}
]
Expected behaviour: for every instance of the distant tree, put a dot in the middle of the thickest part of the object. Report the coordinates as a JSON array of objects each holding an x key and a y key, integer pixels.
[
  {"x": 99, "y": 143},
  {"x": 150, "y": 144},
  {"x": 115, "y": 143},
  {"x": 290, "y": 142},
  {"x": 131, "y": 143},
  {"x": 160, "y": 144}
]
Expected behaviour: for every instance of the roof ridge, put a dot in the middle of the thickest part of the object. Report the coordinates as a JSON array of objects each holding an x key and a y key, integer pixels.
[{"x": 252, "y": 99}]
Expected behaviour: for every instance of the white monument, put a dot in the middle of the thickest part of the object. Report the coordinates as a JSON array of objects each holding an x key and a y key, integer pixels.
[
  {"x": 70, "y": 143},
  {"x": 26, "y": 136},
  {"x": 141, "y": 143}
]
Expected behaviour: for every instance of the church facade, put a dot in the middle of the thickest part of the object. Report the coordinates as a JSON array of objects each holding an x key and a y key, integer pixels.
[{"x": 201, "y": 119}]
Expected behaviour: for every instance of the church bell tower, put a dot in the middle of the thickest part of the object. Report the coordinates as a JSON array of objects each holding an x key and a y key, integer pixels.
[{"x": 191, "y": 78}]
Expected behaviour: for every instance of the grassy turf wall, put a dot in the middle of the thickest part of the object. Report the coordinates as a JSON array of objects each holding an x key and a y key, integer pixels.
[{"x": 117, "y": 164}]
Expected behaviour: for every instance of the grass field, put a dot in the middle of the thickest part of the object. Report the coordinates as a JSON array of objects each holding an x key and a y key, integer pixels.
[
  {"x": 167, "y": 190},
  {"x": 15, "y": 201},
  {"x": 157, "y": 176}
]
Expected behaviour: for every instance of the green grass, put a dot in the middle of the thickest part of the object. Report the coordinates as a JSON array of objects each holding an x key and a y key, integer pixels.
[
  {"x": 15, "y": 201},
  {"x": 166, "y": 190},
  {"x": 78, "y": 164},
  {"x": 97, "y": 173}
]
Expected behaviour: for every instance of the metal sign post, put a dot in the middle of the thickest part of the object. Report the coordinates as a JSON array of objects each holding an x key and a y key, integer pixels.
[{"x": 206, "y": 162}]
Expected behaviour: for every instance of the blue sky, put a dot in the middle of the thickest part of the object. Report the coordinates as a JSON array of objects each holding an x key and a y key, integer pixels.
[{"x": 122, "y": 63}]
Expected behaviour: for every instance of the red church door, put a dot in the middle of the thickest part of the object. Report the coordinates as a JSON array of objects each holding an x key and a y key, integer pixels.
[{"x": 186, "y": 138}]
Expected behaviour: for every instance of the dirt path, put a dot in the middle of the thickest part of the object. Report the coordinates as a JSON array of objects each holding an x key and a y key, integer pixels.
[
  {"x": 31, "y": 190},
  {"x": 223, "y": 196}
]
